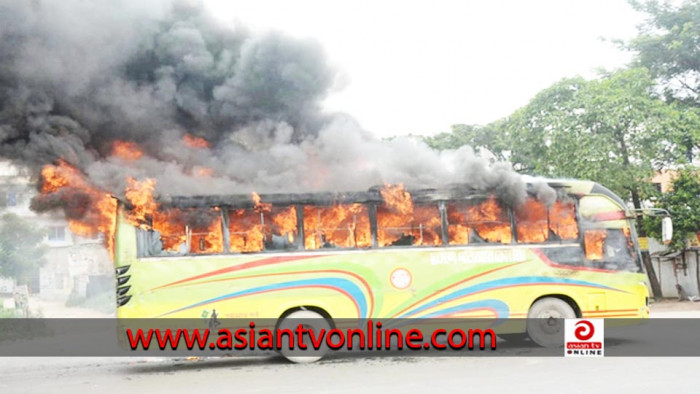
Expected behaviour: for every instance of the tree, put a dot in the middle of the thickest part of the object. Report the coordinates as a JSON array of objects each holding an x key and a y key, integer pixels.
[
  {"x": 612, "y": 130},
  {"x": 477, "y": 136},
  {"x": 21, "y": 248},
  {"x": 668, "y": 45},
  {"x": 683, "y": 202}
]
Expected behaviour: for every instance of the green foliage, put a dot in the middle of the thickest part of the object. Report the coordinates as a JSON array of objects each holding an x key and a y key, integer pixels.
[
  {"x": 476, "y": 136},
  {"x": 612, "y": 130},
  {"x": 667, "y": 45},
  {"x": 21, "y": 248},
  {"x": 683, "y": 202}
]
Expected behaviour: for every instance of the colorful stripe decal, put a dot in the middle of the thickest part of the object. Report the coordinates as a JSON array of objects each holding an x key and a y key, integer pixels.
[
  {"x": 250, "y": 264},
  {"x": 472, "y": 277},
  {"x": 551, "y": 263},
  {"x": 499, "y": 308},
  {"x": 345, "y": 286},
  {"x": 504, "y": 283},
  {"x": 356, "y": 276}
]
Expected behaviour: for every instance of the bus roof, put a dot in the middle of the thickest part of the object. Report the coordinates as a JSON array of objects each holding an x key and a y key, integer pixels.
[{"x": 373, "y": 195}]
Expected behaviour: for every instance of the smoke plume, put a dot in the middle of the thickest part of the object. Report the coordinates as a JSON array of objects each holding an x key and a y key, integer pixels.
[{"x": 76, "y": 76}]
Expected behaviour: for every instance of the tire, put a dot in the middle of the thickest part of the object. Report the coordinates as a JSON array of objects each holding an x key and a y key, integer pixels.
[
  {"x": 545, "y": 321},
  {"x": 313, "y": 320}
]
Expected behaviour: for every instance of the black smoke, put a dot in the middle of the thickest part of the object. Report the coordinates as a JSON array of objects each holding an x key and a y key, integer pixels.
[{"x": 77, "y": 75}]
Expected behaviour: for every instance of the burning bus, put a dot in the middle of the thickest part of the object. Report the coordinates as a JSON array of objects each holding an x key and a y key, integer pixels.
[{"x": 388, "y": 252}]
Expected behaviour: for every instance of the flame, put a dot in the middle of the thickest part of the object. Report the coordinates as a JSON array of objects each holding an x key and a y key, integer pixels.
[
  {"x": 490, "y": 221},
  {"x": 250, "y": 230},
  {"x": 399, "y": 221},
  {"x": 594, "y": 241},
  {"x": 195, "y": 142},
  {"x": 208, "y": 239},
  {"x": 562, "y": 220},
  {"x": 62, "y": 183},
  {"x": 203, "y": 171},
  {"x": 532, "y": 221},
  {"x": 285, "y": 222},
  {"x": 140, "y": 196},
  {"x": 246, "y": 231},
  {"x": 343, "y": 226},
  {"x": 397, "y": 199},
  {"x": 126, "y": 150},
  {"x": 174, "y": 224},
  {"x": 259, "y": 205}
]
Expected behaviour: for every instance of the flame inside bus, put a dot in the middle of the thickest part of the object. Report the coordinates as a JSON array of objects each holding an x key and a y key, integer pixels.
[{"x": 399, "y": 219}]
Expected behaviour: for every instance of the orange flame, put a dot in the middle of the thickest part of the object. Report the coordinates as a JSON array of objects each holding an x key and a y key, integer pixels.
[
  {"x": 490, "y": 221},
  {"x": 64, "y": 182},
  {"x": 250, "y": 230},
  {"x": 208, "y": 239},
  {"x": 343, "y": 226},
  {"x": 140, "y": 196},
  {"x": 195, "y": 142},
  {"x": 562, "y": 220},
  {"x": 126, "y": 150},
  {"x": 399, "y": 221},
  {"x": 203, "y": 171},
  {"x": 173, "y": 224},
  {"x": 594, "y": 241},
  {"x": 532, "y": 221}
]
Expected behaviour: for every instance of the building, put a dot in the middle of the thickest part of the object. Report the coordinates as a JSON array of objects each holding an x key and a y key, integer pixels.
[{"x": 75, "y": 265}]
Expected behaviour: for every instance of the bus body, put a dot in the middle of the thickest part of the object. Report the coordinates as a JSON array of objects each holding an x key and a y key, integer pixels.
[{"x": 472, "y": 278}]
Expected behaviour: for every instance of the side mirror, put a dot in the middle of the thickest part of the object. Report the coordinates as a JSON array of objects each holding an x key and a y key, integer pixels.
[{"x": 666, "y": 230}]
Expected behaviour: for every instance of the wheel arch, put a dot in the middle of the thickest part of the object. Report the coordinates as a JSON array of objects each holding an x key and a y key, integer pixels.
[
  {"x": 566, "y": 298},
  {"x": 321, "y": 311}
]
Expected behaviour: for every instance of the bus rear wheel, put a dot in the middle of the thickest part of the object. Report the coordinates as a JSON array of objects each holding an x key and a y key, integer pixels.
[
  {"x": 309, "y": 320},
  {"x": 545, "y": 321}
]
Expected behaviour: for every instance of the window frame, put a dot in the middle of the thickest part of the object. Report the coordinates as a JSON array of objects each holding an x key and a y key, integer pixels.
[{"x": 440, "y": 203}]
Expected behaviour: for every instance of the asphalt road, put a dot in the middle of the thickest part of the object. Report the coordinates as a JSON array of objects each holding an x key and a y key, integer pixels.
[
  {"x": 621, "y": 375},
  {"x": 248, "y": 375}
]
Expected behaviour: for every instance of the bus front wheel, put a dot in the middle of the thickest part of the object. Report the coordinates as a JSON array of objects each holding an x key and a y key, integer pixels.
[
  {"x": 545, "y": 321},
  {"x": 309, "y": 320}
]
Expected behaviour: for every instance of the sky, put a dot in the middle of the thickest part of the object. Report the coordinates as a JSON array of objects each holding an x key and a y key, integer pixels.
[{"x": 418, "y": 67}]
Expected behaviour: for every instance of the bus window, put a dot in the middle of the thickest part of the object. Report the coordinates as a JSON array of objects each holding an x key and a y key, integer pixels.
[
  {"x": 562, "y": 220},
  {"x": 593, "y": 241},
  {"x": 607, "y": 241},
  {"x": 265, "y": 227},
  {"x": 415, "y": 225},
  {"x": 336, "y": 226},
  {"x": 531, "y": 222},
  {"x": 182, "y": 231},
  {"x": 478, "y": 222},
  {"x": 535, "y": 222},
  {"x": 205, "y": 233},
  {"x": 609, "y": 248}
]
